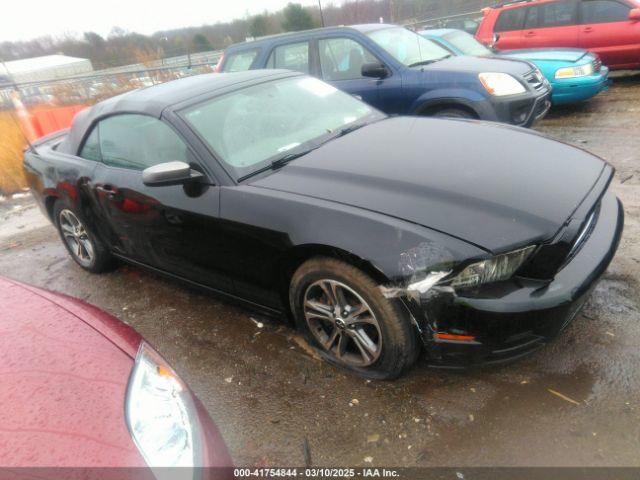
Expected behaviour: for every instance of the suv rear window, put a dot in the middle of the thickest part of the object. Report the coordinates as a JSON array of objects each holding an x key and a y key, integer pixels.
[
  {"x": 240, "y": 61},
  {"x": 553, "y": 14},
  {"x": 510, "y": 20}
]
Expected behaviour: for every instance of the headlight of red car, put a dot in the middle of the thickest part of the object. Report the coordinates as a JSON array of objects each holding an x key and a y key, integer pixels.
[{"x": 160, "y": 413}]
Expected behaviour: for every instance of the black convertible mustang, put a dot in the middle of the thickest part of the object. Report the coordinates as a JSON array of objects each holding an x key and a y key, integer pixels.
[{"x": 377, "y": 235}]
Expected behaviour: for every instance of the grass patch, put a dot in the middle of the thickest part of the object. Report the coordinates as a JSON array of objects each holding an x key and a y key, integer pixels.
[{"x": 12, "y": 143}]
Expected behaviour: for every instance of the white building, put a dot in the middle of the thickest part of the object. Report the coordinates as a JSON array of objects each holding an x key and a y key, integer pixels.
[{"x": 50, "y": 67}]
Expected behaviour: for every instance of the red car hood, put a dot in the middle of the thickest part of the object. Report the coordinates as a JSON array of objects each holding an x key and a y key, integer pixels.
[{"x": 63, "y": 382}]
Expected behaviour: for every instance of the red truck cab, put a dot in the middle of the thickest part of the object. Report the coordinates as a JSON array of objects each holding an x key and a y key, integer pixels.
[{"x": 610, "y": 28}]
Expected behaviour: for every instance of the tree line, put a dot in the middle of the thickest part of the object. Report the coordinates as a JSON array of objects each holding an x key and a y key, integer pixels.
[{"x": 121, "y": 47}]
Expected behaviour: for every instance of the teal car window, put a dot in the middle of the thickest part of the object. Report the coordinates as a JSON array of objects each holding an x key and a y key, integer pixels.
[
  {"x": 466, "y": 43},
  {"x": 408, "y": 47}
]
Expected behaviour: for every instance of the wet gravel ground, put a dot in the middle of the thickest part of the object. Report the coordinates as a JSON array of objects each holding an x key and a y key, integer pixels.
[{"x": 276, "y": 405}]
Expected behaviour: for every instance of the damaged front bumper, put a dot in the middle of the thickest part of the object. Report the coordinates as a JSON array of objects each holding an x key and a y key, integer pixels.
[{"x": 505, "y": 321}]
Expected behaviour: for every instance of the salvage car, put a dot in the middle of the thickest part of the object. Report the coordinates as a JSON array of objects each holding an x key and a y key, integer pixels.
[
  {"x": 82, "y": 389},
  {"x": 399, "y": 72},
  {"x": 609, "y": 28},
  {"x": 376, "y": 234},
  {"x": 575, "y": 75}
]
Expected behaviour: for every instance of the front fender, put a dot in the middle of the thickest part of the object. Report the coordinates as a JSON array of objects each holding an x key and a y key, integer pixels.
[
  {"x": 448, "y": 96},
  {"x": 398, "y": 249}
]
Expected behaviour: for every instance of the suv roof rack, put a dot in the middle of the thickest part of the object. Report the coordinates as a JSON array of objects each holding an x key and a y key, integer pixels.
[{"x": 507, "y": 3}]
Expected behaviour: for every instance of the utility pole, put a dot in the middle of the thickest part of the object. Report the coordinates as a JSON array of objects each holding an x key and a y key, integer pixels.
[{"x": 321, "y": 15}]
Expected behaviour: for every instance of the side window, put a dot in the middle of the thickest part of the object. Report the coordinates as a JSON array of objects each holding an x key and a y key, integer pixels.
[
  {"x": 294, "y": 56},
  {"x": 239, "y": 62},
  {"x": 603, "y": 11},
  {"x": 554, "y": 14},
  {"x": 91, "y": 148},
  {"x": 342, "y": 58},
  {"x": 510, "y": 20},
  {"x": 138, "y": 141}
]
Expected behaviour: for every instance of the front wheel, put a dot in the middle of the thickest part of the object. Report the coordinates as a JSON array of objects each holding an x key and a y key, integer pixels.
[{"x": 342, "y": 312}]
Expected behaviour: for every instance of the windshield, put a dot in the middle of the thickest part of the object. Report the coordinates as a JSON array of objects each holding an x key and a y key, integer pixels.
[
  {"x": 467, "y": 44},
  {"x": 408, "y": 47},
  {"x": 250, "y": 128}
]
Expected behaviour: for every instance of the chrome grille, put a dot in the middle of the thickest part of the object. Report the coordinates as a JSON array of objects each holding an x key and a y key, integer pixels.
[{"x": 535, "y": 79}]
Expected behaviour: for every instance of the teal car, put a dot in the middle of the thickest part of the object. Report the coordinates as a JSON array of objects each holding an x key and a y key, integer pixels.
[{"x": 574, "y": 74}]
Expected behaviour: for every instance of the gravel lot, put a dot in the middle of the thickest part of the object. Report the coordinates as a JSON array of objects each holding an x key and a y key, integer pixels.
[{"x": 276, "y": 405}]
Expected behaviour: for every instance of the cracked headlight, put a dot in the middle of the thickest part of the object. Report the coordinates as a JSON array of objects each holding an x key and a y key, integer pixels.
[
  {"x": 573, "y": 72},
  {"x": 498, "y": 268},
  {"x": 160, "y": 413},
  {"x": 500, "y": 84}
]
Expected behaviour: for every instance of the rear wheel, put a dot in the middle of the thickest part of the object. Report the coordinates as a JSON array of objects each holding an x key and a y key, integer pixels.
[
  {"x": 86, "y": 249},
  {"x": 342, "y": 312}
]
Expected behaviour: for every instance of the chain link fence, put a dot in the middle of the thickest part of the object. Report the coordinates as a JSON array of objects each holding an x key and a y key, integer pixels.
[{"x": 36, "y": 108}]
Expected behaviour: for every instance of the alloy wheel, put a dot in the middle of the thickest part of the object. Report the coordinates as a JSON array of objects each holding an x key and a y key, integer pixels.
[
  {"x": 76, "y": 237},
  {"x": 342, "y": 322}
]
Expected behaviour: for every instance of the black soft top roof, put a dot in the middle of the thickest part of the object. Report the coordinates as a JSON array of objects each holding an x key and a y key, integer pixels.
[{"x": 154, "y": 100}]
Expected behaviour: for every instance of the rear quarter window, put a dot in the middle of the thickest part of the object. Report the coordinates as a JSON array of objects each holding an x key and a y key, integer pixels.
[
  {"x": 240, "y": 61},
  {"x": 510, "y": 20}
]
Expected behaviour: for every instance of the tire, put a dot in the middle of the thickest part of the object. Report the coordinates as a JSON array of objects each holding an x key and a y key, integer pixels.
[
  {"x": 390, "y": 345},
  {"x": 93, "y": 255},
  {"x": 453, "y": 113}
]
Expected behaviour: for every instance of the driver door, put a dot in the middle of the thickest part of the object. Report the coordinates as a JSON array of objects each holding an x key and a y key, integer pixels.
[
  {"x": 171, "y": 228},
  {"x": 341, "y": 61}
]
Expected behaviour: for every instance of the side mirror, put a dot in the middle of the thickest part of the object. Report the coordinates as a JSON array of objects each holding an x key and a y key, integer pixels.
[
  {"x": 169, "y": 173},
  {"x": 634, "y": 14},
  {"x": 494, "y": 40},
  {"x": 374, "y": 70}
]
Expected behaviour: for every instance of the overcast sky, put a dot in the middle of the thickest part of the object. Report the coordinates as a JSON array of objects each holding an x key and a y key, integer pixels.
[{"x": 26, "y": 19}]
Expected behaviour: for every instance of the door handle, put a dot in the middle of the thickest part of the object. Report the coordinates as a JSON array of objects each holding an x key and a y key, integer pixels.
[
  {"x": 587, "y": 29},
  {"x": 530, "y": 34},
  {"x": 108, "y": 190}
]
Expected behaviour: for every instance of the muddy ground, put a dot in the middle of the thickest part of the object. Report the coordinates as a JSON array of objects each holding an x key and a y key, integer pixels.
[{"x": 277, "y": 405}]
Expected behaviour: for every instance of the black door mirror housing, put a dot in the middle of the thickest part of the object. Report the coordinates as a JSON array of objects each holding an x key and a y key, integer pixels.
[
  {"x": 170, "y": 173},
  {"x": 374, "y": 70}
]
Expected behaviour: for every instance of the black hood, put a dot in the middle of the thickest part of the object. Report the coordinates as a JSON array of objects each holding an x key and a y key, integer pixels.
[
  {"x": 497, "y": 187},
  {"x": 472, "y": 64}
]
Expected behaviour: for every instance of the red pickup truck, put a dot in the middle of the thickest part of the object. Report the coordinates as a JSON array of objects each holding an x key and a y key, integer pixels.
[{"x": 610, "y": 28}]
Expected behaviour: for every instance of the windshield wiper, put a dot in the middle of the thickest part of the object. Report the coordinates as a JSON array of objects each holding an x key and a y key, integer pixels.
[
  {"x": 284, "y": 159},
  {"x": 277, "y": 163},
  {"x": 351, "y": 128},
  {"x": 429, "y": 62}
]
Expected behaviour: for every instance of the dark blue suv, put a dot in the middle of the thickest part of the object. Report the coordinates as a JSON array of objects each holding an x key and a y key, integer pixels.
[{"x": 400, "y": 72}]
